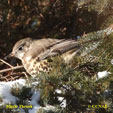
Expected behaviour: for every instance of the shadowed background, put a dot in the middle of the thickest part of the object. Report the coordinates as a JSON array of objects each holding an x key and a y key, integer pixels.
[{"x": 50, "y": 18}]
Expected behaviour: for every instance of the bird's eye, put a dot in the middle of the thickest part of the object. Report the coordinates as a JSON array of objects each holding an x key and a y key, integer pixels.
[{"x": 20, "y": 48}]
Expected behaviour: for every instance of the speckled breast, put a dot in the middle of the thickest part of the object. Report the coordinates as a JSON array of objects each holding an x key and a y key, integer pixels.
[{"x": 34, "y": 67}]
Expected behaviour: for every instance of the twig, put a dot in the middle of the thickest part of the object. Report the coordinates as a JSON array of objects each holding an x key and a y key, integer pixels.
[
  {"x": 26, "y": 75},
  {"x": 6, "y": 63},
  {"x": 12, "y": 68}
]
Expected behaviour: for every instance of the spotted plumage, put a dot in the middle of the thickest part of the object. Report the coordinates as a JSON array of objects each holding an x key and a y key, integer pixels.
[{"x": 36, "y": 54}]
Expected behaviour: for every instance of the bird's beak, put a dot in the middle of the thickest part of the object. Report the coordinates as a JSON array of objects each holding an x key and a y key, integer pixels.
[{"x": 9, "y": 56}]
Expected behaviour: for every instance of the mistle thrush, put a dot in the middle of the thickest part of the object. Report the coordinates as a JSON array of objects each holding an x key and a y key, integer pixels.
[{"x": 34, "y": 53}]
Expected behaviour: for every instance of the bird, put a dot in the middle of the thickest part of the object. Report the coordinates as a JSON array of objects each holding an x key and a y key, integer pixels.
[{"x": 34, "y": 53}]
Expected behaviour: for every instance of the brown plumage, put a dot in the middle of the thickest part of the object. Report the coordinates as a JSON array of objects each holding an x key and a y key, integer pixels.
[{"x": 34, "y": 53}]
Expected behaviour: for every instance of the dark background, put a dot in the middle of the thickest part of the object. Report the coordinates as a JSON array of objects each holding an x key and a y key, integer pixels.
[{"x": 50, "y": 18}]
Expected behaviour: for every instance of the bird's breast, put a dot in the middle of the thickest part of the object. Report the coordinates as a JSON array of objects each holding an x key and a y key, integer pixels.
[{"x": 34, "y": 67}]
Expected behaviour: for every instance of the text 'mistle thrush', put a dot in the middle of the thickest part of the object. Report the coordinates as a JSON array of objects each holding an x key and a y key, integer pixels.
[{"x": 34, "y": 53}]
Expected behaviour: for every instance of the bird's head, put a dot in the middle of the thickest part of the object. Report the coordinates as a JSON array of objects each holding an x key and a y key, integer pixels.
[{"x": 21, "y": 47}]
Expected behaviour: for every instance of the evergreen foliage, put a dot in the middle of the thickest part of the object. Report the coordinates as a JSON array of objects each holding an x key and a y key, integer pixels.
[{"x": 78, "y": 81}]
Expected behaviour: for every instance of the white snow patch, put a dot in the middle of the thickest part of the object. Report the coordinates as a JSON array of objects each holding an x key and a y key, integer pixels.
[
  {"x": 112, "y": 61},
  {"x": 5, "y": 90},
  {"x": 34, "y": 101},
  {"x": 34, "y": 110},
  {"x": 58, "y": 91},
  {"x": 35, "y": 83},
  {"x": 103, "y": 74},
  {"x": 35, "y": 98},
  {"x": 61, "y": 99},
  {"x": 49, "y": 107}
]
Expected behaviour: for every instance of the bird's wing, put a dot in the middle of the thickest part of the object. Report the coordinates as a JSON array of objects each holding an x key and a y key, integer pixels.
[
  {"x": 65, "y": 45},
  {"x": 50, "y": 47}
]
